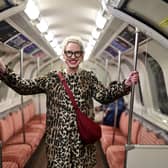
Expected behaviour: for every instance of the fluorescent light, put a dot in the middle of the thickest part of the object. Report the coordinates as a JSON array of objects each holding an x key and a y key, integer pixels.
[
  {"x": 165, "y": 121},
  {"x": 49, "y": 36},
  {"x": 87, "y": 56},
  {"x": 42, "y": 26},
  {"x": 58, "y": 50},
  {"x": 95, "y": 34},
  {"x": 88, "y": 51},
  {"x": 100, "y": 21},
  {"x": 92, "y": 41},
  {"x": 54, "y": 43},
  {"x": 31, "y": 10}
]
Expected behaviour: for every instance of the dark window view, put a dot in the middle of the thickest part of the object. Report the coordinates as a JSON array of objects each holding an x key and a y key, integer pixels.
[
  {"x": 7, "y": 31},
  {"x": 129, "y": 35},
  {"x": 111, "y": 51},
  {"x": 120, "y": 44},
  {"x": 160, "y": 88},
  {"x": 31, "y": 49},
  {"x": 143, "y": 13},
  {"x": 18, "y": 42},
  {"x": 5, "y": 4},
  {"x": 124, "y": 41}
]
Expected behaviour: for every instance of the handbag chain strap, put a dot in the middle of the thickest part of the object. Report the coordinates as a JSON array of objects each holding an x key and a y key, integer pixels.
[{"x": 69, "y": 92}]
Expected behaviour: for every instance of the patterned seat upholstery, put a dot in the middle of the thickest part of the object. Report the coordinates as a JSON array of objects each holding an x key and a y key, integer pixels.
[
  {"x": 16, "y": 152},
  {"x": 9, "y": 165}
]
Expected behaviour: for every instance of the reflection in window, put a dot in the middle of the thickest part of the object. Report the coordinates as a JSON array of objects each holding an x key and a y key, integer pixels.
[
  {"x": 157, "y": 82},
  {"x": 145, "y": 12},
  {"x": 5, "y": 4},
  {"x": 120, "y": 44},
  {"x": 6, "y": 31},
  {"x": 129, "y": 35},
  {"x": 111, "y": 51}
]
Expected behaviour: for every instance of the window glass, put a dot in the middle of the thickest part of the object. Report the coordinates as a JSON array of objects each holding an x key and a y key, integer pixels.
[{"x": 153, "y": 13}]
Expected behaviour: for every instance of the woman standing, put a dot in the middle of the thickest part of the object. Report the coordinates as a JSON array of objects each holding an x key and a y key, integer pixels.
[{"x": 64, "y": 146}]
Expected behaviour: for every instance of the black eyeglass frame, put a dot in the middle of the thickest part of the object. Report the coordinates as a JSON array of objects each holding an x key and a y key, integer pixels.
[{"x": 77, "y": 54}]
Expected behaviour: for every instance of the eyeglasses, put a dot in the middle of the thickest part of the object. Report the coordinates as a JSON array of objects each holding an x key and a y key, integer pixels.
[{"x": 77, "y": 54}]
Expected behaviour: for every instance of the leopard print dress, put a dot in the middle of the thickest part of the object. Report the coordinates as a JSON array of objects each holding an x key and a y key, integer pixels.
[{"x": 64, "y": 147}]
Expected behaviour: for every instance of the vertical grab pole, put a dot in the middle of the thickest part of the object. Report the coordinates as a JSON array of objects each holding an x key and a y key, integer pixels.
[
  {"x": 106, "y": 68},
  {"x": 39, "y": 97},
  {"x": 132, "y": 95},
  {"x": 119, "y": 65},
  {"x": 22, "y": 112},
  {"x": 116, "y": 102}
]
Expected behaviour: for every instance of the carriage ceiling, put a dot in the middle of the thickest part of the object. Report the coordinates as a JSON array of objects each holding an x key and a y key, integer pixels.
[
  {"x": 74, "y": 17},
  {"x": 63, "y": 18}
]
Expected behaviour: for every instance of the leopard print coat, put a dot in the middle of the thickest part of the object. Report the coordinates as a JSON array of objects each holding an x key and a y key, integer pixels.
[{"x": 64, "y": 147}]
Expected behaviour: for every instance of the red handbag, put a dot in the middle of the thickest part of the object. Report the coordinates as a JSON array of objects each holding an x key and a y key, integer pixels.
[{"x": 89, "y": 131}]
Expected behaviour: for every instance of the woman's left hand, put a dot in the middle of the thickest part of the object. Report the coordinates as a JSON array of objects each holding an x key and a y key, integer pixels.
[{"x": 133, "y": 78}]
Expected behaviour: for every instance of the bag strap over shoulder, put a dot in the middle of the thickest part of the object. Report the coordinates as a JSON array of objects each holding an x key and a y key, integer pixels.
[{"x": 69, "y": 92}]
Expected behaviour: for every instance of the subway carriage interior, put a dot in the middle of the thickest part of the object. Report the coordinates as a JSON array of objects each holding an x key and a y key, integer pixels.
[{"x": 119, "y": 36}]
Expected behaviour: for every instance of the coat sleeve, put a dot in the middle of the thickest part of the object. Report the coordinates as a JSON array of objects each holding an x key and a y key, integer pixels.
[
  {"x": 24, "y": 86},
  {"x": 106, "y": 95}
]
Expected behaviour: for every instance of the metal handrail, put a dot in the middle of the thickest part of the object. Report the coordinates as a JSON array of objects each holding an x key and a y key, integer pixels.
[
  {"x": 116, "y": 102},
  {"x": 132, "y": 95}
]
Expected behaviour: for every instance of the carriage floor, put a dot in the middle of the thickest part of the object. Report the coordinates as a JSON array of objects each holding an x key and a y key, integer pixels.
[{"x": 38, "y": 160}]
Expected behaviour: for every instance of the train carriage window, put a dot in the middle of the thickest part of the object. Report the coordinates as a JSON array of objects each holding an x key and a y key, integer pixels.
[
  {"x": 6, "y": 31},
  {"x": 120, "y": 44},
  {"x": 111, "y": 51},
  {"x": 32, "y": 48},
  {"x": 18, "y": 41},
  {"x": 157, "y": 82},
  {"x": 5, "y": 4},
  {"x": 146, "y": 12},
  {"x": 128, "y": 34}
]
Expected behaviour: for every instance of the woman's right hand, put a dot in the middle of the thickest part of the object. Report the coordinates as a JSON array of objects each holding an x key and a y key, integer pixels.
[
  {"x": 2, "y": 66},
  {"x": 132, "y": 78}
]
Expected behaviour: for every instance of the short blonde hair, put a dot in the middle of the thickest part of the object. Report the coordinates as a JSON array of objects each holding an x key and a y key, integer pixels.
[{"x": 72, "y": 39}]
